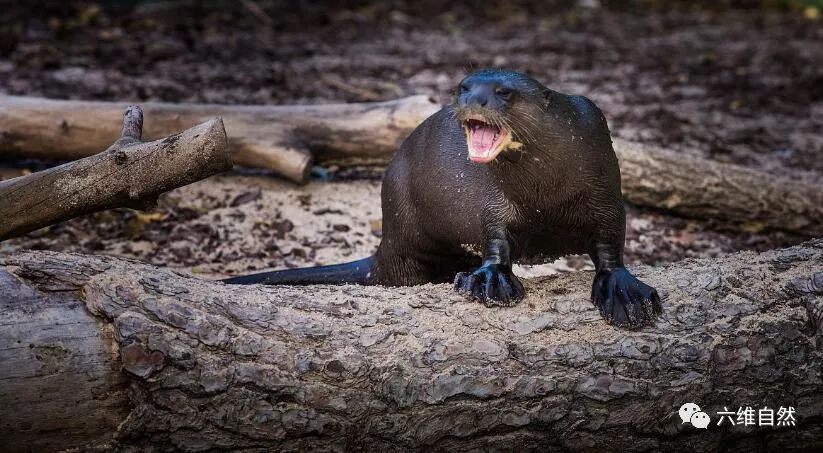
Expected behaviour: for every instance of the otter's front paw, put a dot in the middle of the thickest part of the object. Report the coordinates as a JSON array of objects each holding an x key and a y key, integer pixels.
[
  {"x": 624, "y": 300},
  {"x": 492, "y": 284}
]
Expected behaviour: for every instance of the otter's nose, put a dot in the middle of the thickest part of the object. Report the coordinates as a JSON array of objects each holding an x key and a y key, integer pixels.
[{"x": 483, "y": 95}]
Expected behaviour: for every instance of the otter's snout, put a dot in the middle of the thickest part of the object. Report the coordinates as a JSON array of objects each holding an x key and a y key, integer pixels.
[{"x": 487, "y": 95}]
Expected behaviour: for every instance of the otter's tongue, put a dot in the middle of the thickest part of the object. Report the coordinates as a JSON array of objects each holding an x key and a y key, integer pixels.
[{"x": 482, "y": 138}]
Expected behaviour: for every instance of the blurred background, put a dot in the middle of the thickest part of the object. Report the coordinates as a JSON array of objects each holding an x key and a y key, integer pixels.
[{"x": 735, "y": 81}]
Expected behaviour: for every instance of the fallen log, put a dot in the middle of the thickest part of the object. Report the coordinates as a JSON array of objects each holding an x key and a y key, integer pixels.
[
  {"x": 750, "y": 199},
  {"x": 279, "y": 138},
  {"x": 283, "y": 139},
  {"x": 368, "y": 368},
  {"x": 130, "y": 173}
]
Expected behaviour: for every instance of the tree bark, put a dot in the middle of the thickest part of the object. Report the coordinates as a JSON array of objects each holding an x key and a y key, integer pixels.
[
  {"x": 60, "y": 379},
  {"x": 279, "y": 138},
  {"x": 354, "y": 367},
  {"x": 130, "y": 173}
]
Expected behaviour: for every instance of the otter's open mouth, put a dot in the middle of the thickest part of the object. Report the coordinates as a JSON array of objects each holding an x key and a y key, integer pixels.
[{"x": 485, "y": 140}]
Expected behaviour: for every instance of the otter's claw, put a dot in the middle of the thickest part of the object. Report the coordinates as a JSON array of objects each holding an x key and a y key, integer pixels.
[
  {"x": 491, "y": 284},
  {"x": 624, "y": 300}
]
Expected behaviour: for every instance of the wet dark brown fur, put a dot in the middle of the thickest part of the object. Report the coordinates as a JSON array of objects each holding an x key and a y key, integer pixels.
[{"x": 554, "y": 191}]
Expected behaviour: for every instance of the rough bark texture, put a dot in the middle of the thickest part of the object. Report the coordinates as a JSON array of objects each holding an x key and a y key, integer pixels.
[
  {"x": 695, "y": 187},
  {"x": 279, "y": 138},
  {"x": 389, "y": 369},
  {"x": 60, "y": 379},
  {"x": 130, "y": 173}
]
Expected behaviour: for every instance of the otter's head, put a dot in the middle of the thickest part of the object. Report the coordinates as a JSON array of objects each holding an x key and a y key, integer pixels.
[{"x": 499, "y": 110}]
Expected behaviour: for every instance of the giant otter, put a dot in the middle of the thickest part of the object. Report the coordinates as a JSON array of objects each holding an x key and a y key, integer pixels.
[{"x": 510, "y": 169}]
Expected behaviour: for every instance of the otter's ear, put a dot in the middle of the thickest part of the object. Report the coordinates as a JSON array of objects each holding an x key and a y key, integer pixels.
[{"x": 547, "y": 94}]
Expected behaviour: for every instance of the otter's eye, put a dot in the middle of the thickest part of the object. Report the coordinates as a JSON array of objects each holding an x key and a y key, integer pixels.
[{"x": 504, "y": 93}]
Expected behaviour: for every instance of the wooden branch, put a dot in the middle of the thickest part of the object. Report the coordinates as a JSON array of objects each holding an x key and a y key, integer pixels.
[
  {"x": 279, "y": 138},
  {"x": 130, "y": 173},
  {"x": 325, "y": 368},
  {"x": 701, "y": 188}
]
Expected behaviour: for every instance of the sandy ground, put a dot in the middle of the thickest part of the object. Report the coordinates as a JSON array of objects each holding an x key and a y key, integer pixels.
[{"x": 235, "y": 224}]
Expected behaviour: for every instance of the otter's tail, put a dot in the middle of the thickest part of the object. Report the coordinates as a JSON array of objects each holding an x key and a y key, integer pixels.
[{"x": 359, "y": 271}]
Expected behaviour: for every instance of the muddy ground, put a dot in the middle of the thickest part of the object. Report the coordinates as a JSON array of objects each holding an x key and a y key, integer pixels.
[{"x": 738, "y": 85}]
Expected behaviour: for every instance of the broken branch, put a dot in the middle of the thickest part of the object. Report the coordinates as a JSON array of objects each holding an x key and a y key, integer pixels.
[{"x": 130, "y": 173}]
